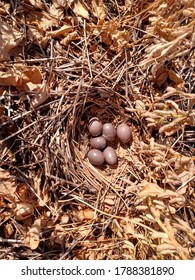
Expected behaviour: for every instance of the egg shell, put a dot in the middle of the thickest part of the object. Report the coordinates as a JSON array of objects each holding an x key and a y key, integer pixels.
[
  {"x": 124, "y": 133},
  {"x": 109, "y": 131},
  {"x": 110, "y": 155},
  {"x": 95, "y": 127},
  {"x": 95, "y": 156},
  {"x": 98, "y": 142}
]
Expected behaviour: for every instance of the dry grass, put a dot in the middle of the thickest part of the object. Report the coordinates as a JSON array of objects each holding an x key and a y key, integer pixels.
[{"x": 123, "y": 61}]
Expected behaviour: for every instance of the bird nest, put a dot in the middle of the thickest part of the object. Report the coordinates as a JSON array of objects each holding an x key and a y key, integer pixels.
[{"x": 103, "y": 62}]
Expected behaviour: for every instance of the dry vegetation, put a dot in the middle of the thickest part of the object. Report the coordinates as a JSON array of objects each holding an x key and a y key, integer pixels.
[{"x": 63, "y": 62}]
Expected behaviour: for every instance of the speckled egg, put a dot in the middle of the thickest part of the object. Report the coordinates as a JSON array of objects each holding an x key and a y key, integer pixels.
[
  {"x": 95, "y": 127},
  {"x": 98, "y": 142},
  {"x": 124, "y": 133},
  {"x": 96, "y": 157},
  {"x": 109, "y": 132},
  {"x": 110, "y": 155}
]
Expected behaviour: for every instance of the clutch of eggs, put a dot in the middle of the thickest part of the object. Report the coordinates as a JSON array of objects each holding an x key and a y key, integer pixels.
[{"x": 101, "y": 133}]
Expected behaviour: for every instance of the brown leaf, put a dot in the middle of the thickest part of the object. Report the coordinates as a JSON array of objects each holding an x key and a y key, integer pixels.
[
  {"x": 32, "y": 238},
  {"x": 10, "y": 37},
  {"x": 62, "y": 31},
  {"x": 57, "y": 235},
  {"x": 7, "y": 185},
  {"x": 23, "y": 211},
  {"x": 8, "y": 230},
  {"x": 175, "y": 78},
  {"x": 88, "y": 214},
  {"x": 80, "y": 9},
  {"x": 166, "y": 248},
  {"x": 20, "y": 76},
  {"x": 37, "y": 4},
  {"x": 8, "y": 78},
  {"x": 157, "y": 53},
  {"x": 4, "y": 8},
  {"x": 173, "y": 126},
  {"x": 57, "y": 10},
  {"x": 98, "y": 10},
  {"x": 69, "y": 38},
  {"x": 41, "y": 96}
]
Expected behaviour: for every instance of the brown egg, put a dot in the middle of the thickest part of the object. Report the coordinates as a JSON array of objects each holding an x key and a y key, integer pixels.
[
  {"x": 95, "y": 156},
  {"x": 110, "y": 155},
  {"x": 95, "y": 127},
  {"x": 109, "y": 131},
  {"x": 98, "y": 142},
  {"x": 124, "y": 133}
]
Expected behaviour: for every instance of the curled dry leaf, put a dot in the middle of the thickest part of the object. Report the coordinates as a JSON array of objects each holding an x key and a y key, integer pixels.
[
  {"x": 112, "y": 36},
  {"x": 158, "y": 234},
  {"x": 80, "y": 9},
  {"x": 174, "y": 126},
  {"x": 88, "y": 214},
  {"x": 23, "y": 211},
  {"x": 65, "y": 219},
  {"x": 57, "y": 9},
  {"x": 37, "y": 4},
  {"x": 84, "y": 230},
  {"x": 7, "y": 186},
  {"x": 166, "y": 249},
  {"x": 164, "y": 50},
  {"x": 154, "y": 191},
  {"x": 62, "y": 31},
  {"x": 38, "y": 25},
  {"x": 98, "y": 10},
  {"x": 32, "y": 238},
  {"x": 10, "y": 38},
  {"x": 57, "y": 235},
  {"x": 41, "y": 96},
  {"x": 8, "y": 230},
  {"x": 69, "y": 38},
  {"x": 21, "y": 77}
]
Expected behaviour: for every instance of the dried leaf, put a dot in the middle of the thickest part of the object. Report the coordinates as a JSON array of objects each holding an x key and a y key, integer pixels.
[
  {"x": 41, "y": 96},
  {"x": 175, "y": 78},
  {"x": 174, "y": 126},
  {"x": 98, "y": 10},
  {"x": 166, "y": 249},
  {"x": 23, "y": 211},
  {"x": 38, "y": 25},
  {"x": 84, "y": 230},
  {"x": 157, "y": 53},
  {"x": 111, "y": 36},
  {"x": 9, "y": 38},
  {"x": 20, "y": 77},
  {"x": 109, "y": 201},
  {"x": 33, "y": 235},
  {"x": 88, "y": 214},
  {"x": 80, "y": 9},
  {"x": 57, "y": 235},
  {"x": 140, "y": 107},
  {"x": 57, "y": 10},
  {"x": 8, "y": 78},
  {"x": 8, "y": 230},
  {"x": 37, "y": 4},
  {"x": 7, "y": 185},
  {"x": 158, "y": 234},
  {"x": 62, "y": 31},
  {"x": 69, "y": 38},
  {"x": 65, "y": 219}
]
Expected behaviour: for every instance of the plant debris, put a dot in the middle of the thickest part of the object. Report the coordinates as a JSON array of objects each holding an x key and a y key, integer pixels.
[{"x": 64, "y": 62}]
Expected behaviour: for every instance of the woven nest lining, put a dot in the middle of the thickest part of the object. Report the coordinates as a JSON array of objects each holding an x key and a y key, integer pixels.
[
  {"x": 108, "y": 108},
  {"x": 134, "y": 66}
]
